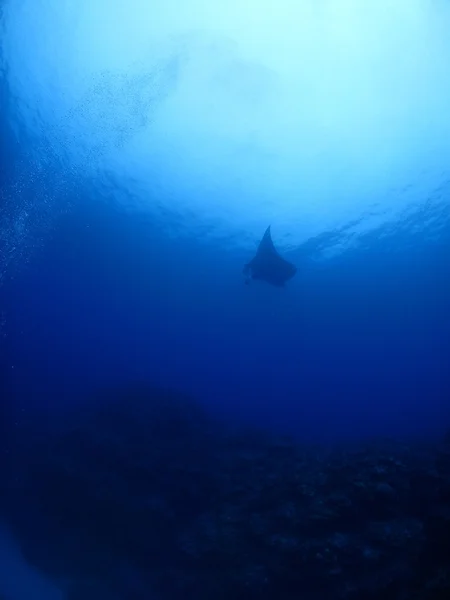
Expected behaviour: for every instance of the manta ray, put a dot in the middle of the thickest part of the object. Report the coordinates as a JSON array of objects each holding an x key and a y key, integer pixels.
[{"x": 267, "y": 265}]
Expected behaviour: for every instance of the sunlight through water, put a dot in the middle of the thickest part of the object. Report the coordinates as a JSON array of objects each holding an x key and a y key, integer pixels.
[{"x": 220, "y": 118}]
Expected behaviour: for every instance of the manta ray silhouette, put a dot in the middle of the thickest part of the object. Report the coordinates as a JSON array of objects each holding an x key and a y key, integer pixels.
[{"x": 267, "y": 265}]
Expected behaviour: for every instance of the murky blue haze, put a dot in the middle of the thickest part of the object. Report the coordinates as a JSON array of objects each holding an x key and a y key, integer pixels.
[{"x": 144, "y": 150}]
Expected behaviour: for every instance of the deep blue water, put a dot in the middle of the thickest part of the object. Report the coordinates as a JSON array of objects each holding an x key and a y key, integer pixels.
[
  {"x": 354, "y": 347},
  {"x": 124, "y": 230}
]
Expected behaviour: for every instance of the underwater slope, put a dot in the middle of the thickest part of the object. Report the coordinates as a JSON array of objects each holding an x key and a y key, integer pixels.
[{"x": 195, "y": 508}]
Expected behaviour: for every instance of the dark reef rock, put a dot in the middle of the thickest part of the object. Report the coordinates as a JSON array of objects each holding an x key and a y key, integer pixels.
[{"x": 143, "y": 477}]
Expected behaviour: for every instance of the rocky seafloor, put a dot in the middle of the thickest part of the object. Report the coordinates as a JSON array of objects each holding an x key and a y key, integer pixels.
[{"x": 140, "y": 494}]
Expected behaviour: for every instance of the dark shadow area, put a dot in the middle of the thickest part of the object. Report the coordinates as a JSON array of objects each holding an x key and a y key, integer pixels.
[{"x": 139, "y": 491}]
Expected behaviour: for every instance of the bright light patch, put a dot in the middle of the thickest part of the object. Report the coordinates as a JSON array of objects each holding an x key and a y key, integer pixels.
[{"x": 232, "y": 115}]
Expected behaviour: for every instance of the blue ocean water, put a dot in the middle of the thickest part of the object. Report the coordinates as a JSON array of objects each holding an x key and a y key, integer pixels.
[{"x": 144, "y": 151}]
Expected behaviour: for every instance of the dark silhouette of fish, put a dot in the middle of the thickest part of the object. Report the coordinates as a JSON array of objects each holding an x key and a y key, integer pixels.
[{"x": 267, "y": 265}]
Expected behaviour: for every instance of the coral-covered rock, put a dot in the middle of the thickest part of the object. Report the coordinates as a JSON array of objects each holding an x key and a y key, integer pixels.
[{"x": 197, "y": 510}]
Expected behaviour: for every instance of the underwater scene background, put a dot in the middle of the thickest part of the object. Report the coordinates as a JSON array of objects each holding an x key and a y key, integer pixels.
[{"x": 184, "y": 414}]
